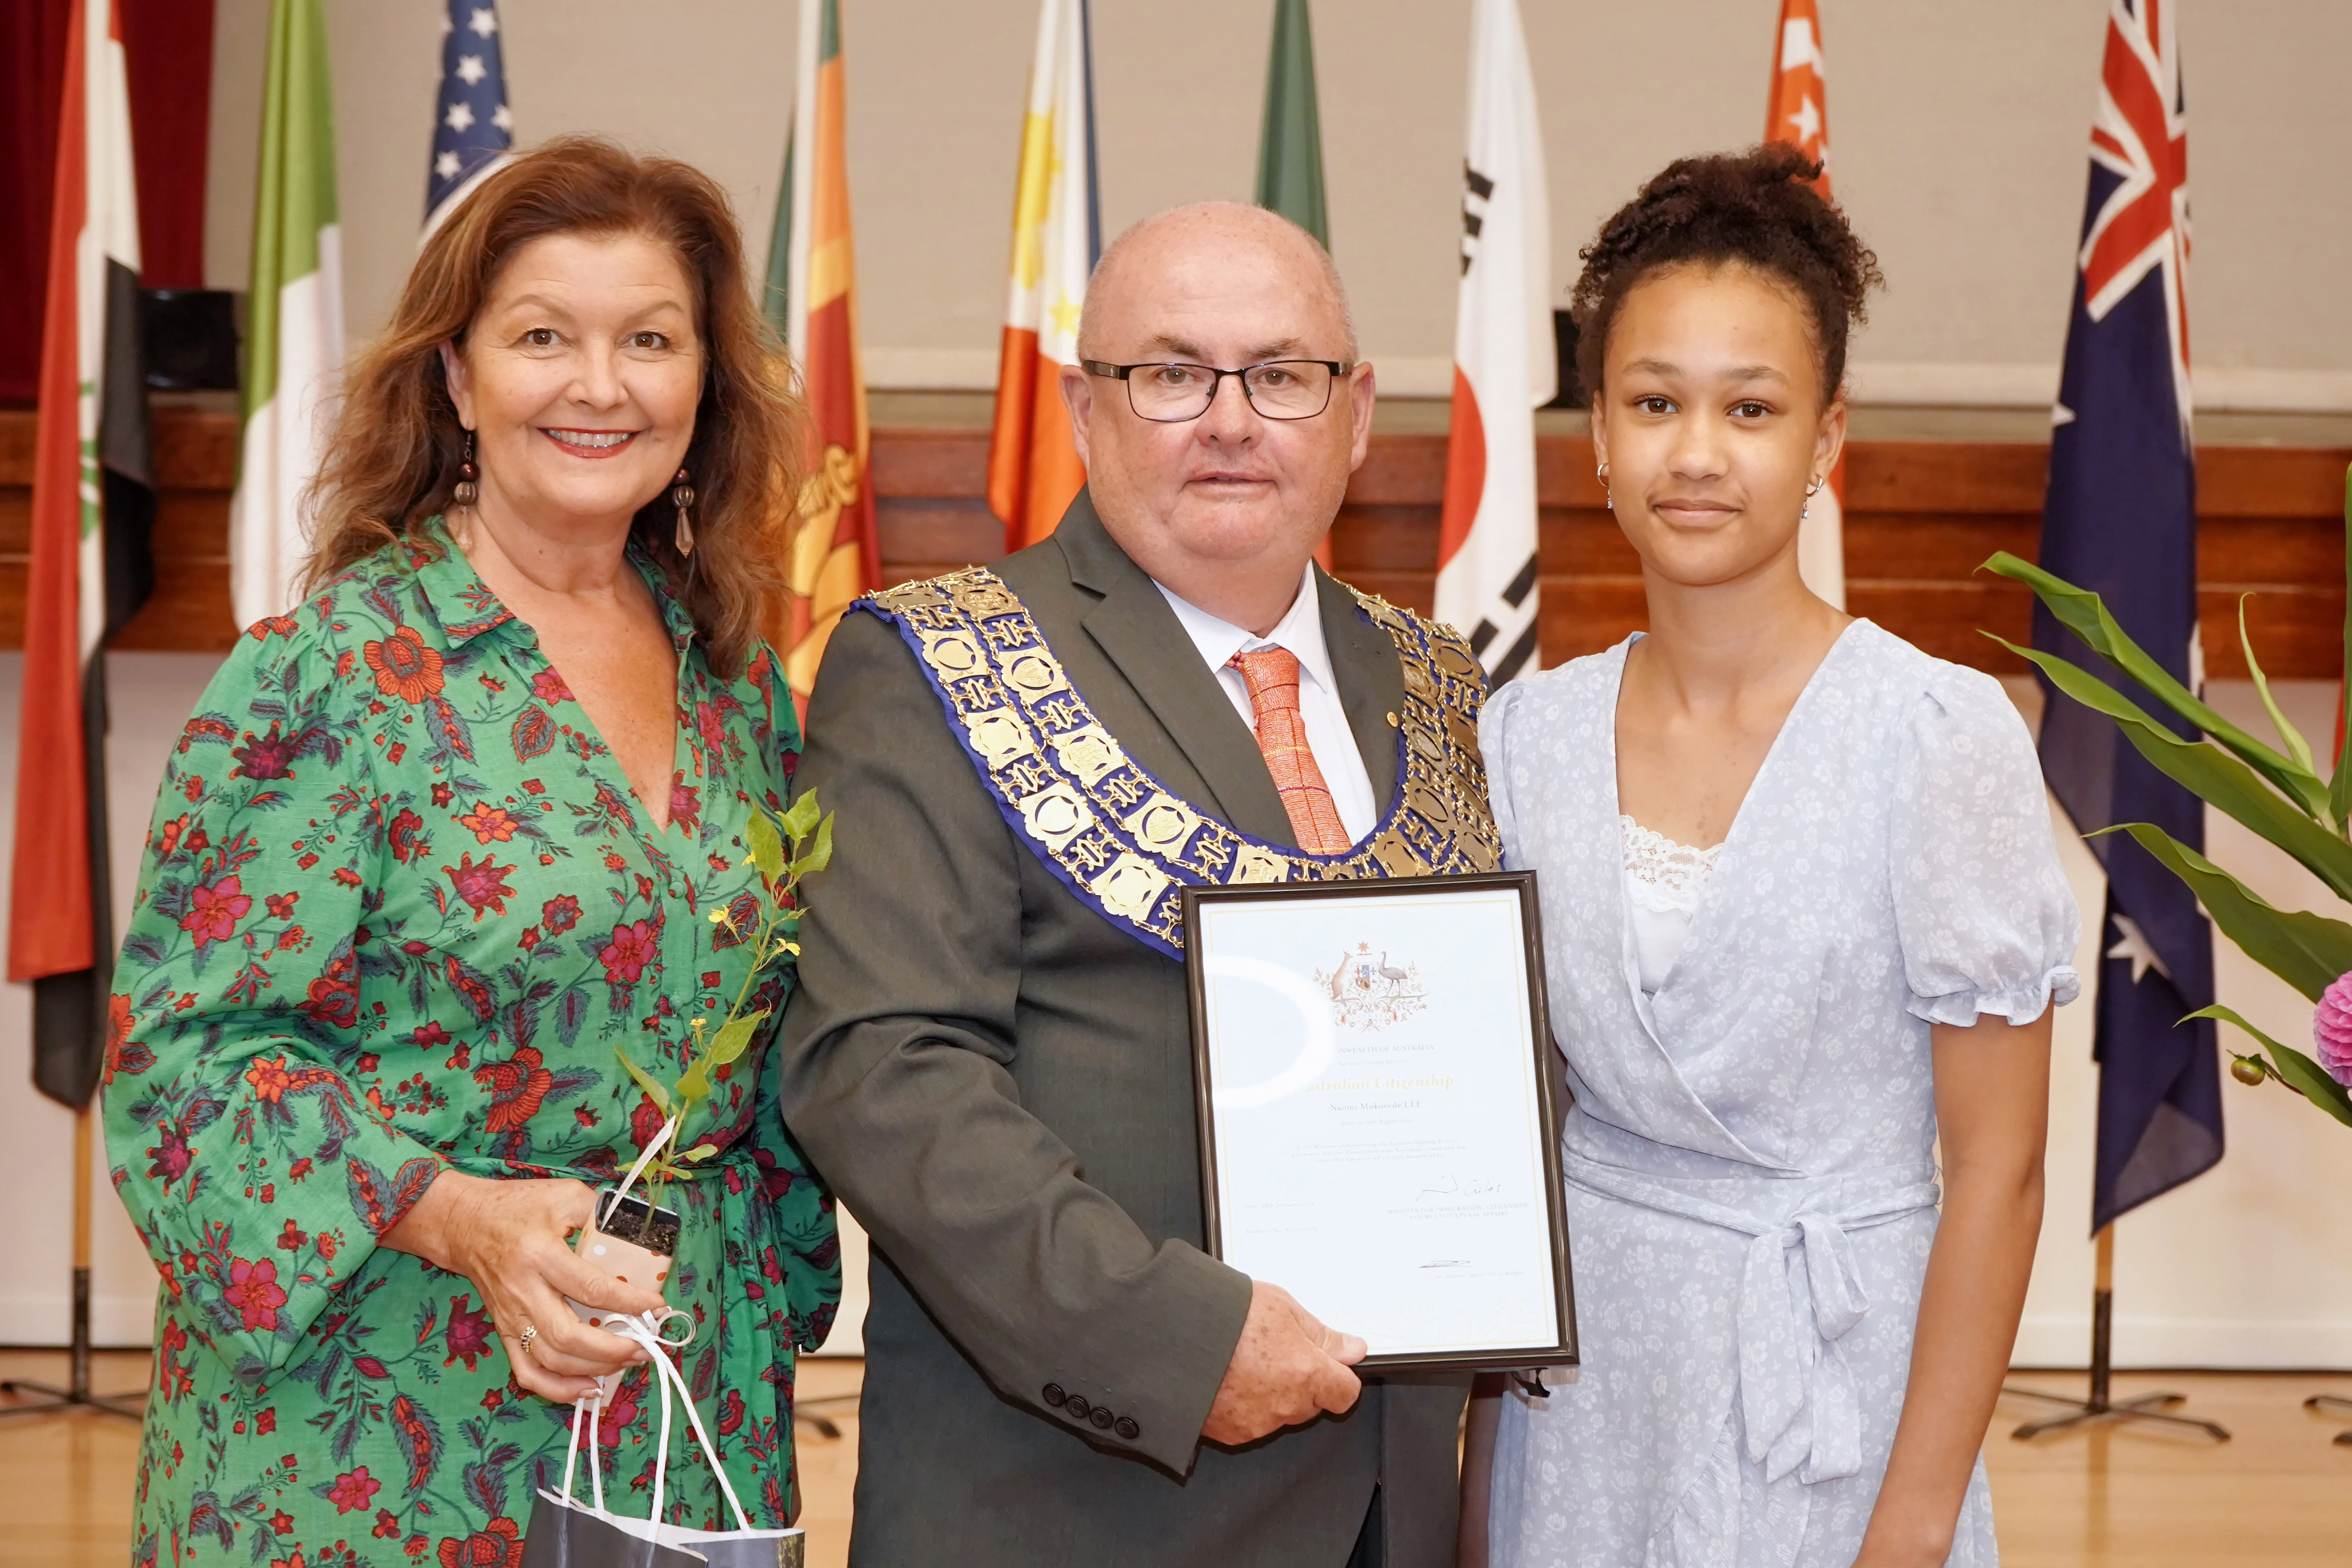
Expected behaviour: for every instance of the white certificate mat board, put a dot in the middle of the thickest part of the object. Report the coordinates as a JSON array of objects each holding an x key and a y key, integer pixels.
[{"x": 1377, "y": 1126}]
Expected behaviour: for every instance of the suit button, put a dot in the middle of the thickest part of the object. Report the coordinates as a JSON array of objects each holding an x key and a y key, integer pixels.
[
  {"x": 1127, "y": 1428},
  {"x": 1054, "y": 1395},
  {"x": 1102, "y": 1417},
  {"x": 1078, "y": 1406}
]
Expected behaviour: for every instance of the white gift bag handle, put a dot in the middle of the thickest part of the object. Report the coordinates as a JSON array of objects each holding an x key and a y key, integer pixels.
[{"x": 647, "y": 1330}]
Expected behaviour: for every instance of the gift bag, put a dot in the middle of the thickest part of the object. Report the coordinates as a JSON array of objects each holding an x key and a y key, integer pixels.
[{"x": 568, "y": 1533}]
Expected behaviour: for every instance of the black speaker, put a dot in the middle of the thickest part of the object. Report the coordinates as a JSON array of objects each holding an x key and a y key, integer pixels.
[{"x": 191, "y": 340}]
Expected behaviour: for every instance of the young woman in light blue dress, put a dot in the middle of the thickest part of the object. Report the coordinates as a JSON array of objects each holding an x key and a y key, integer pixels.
[{"x": 1802, "y": 914}]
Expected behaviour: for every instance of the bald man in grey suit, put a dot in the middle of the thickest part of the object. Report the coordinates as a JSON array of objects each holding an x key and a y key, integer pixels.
[{"x": 995, "y": 1075}]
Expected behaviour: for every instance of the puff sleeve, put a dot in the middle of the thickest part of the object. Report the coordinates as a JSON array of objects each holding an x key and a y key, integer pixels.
[
  {"x": 1987, "y": 922},
  {"x": 1495, "y": 747}
]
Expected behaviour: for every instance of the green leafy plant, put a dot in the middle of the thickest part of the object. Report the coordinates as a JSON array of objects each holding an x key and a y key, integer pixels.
[
  {"x": 2275, "y": 791},
  {"x": 784, "y": 847}
]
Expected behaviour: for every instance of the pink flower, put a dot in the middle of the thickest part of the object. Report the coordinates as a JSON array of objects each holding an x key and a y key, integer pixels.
[
  {"x": 632, "y": 947},
  {"x": 215, "y": 909},
  {"x": 253, "y": 1292},
  {"x": 2331, "y": 1029},
  {"x": 354, "y": 1492}
]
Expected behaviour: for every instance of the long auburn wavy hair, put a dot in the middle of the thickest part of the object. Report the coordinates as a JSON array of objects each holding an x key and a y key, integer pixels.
[{"x": 393, "y": 461}]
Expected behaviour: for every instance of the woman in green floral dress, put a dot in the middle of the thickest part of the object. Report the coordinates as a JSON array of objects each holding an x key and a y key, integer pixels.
[{"x": 434, "y": 850}]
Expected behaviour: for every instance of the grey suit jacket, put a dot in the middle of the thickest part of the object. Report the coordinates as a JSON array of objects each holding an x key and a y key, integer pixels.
[{"x": 998, "y": 1085}]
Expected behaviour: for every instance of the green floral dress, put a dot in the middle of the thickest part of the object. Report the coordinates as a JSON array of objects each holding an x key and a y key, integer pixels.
[{"x": 398, "y": 909}]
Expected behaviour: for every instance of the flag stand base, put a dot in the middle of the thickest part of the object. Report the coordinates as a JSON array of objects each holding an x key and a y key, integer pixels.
[
  {"x": 76, "y": 1394},
  {"x": 805, "y": 1411},
  {"x": 2332, "y": 1402},
  {"x": 2099, "y": 1407}
]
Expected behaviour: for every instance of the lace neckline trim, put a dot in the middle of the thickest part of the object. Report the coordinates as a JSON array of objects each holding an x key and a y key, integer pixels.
[{"x": 1665, "y": 875}]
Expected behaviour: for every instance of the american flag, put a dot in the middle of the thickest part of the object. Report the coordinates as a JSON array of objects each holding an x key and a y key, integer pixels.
[
  {"x": 472, "y": 130},
  {"x": 2121, "y": 518}
]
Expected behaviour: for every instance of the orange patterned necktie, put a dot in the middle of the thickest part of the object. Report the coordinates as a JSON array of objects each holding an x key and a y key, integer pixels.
[{"x": 1272, "y": 676}]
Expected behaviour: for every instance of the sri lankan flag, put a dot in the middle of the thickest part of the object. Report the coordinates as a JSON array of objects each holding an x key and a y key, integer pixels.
[
  {"x": 813, "y": 297},
  {"x": 1799, "y": 115},
  {"x": 93, "y": 505},
  {"x": 1033, "y": 472}
]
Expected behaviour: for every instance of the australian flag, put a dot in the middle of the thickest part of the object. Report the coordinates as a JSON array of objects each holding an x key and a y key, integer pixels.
[
  {"x": 472, "y": 131},
  {"x": 2121, "y": 518}
]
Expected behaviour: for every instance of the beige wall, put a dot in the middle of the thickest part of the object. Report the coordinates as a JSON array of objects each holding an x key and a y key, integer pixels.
[{"x": 1960, "y": 134}]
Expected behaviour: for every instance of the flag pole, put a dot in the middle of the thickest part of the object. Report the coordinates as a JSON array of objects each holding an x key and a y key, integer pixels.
[
  {"x": 2099, "y": 1407},
  {"x": 75, "y": 1393},
  {"x": 2332, "y": 1402}
]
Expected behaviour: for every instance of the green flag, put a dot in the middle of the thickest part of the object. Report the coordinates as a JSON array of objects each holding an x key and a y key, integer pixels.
[
  {"x": 777, "y": 301},
  {"x": 1290, "y": 139},
  {"x": 294, "y": 336}
]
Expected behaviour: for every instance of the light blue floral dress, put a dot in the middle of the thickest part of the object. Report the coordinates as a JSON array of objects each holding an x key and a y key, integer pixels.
[{"x": 1751, "y": 1187}]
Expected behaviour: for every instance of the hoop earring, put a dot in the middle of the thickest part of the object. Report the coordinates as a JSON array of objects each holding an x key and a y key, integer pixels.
[
  {"x": 466, "y": 492},
  {"x": 1608, "y": 496},
  {"x": 681, "y": 495}
]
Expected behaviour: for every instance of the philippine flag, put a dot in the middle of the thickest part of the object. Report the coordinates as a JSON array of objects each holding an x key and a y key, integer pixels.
[{"x": 1034, "y": 471}]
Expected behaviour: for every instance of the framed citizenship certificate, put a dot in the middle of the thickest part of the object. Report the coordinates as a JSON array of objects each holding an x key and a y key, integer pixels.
[{"x": 1375, "y": 1099}]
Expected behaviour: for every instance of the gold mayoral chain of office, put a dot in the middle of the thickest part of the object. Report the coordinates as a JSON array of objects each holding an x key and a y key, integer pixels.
[{"x": 1115, "y": 835}]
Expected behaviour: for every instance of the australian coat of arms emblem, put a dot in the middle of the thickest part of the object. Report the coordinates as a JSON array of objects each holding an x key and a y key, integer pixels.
[{"x": 1369, "y": 991}]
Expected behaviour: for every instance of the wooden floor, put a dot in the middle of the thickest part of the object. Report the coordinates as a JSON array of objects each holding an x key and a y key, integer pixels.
[{"x": 2278, "y": 1496}]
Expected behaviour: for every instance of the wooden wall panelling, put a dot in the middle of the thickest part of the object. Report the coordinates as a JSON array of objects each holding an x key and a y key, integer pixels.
[
  {"x": 930, "y": 502},
  {"x": 1920, "y": 518}
]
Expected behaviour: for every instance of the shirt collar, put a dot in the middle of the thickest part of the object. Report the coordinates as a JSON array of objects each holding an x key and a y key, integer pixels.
[{"x": 1300, "y": 631}]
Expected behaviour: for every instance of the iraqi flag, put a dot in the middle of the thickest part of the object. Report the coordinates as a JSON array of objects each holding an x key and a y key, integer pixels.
[
  {"x": 294, "y": 333},
  {"x": 1800, "y": 117},
  {"x": 1505, "y": 364},
  {"x": 2120, "y": 518},
  {"x": 93, "y": 505},
  {"x": 1034, "y": 471},
  {"x": 835, "y": 554}
]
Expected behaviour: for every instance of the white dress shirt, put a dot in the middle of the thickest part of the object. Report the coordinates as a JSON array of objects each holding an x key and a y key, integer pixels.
[{"x": 1328, "y": 735}]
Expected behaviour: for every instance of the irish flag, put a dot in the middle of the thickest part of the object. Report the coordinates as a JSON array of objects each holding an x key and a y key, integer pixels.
[
  {"x": 834, "y": 554},
  {"x": 1799, "y": 116},
  {"x": 1504, "y": 363},
  {"x": 294, "y": 339},
  {"x": 1033, "y": 465},
  {"x": 93, "y": 500}
]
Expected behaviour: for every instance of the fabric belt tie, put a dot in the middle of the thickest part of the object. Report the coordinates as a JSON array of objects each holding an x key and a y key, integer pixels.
[{"x": 1797, "y": 1398}]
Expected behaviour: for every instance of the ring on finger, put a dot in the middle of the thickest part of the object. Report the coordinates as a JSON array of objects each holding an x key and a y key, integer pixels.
[{"x": 528, "y": 1336}]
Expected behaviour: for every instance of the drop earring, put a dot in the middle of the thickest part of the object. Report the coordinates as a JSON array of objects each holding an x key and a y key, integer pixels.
[
  {"x": 466, "y": 491},
  {"x": 681, "y": 495},
  {"x": 1811, "y": 491},
  {"x": 1608, "y": 497}
]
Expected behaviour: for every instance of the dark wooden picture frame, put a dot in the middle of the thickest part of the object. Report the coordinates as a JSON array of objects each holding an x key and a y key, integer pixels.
[{"x": 1564, "y": 1352}]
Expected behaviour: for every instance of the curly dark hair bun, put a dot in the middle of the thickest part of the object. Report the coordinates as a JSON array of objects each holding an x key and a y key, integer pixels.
[{"x": 1756, "y": 208}]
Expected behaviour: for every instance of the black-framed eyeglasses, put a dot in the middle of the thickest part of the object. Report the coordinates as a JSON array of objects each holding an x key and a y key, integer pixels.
[{"x": 1171, "y": 392}]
